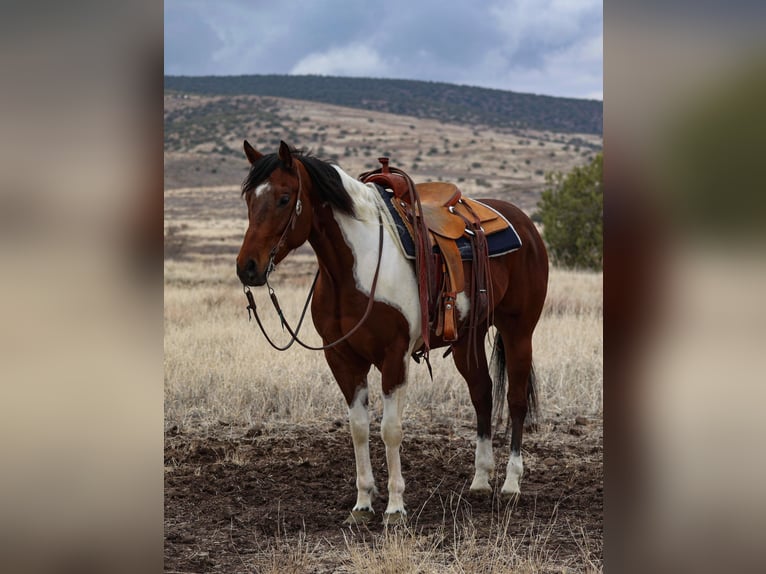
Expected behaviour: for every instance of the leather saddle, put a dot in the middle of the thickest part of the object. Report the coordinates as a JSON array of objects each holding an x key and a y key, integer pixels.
[{"x": 436, "y": 215}]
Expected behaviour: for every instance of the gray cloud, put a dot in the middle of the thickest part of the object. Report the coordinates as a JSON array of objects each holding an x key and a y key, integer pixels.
[
  {"x": 542, "y": 46},
  {"x": 189, "y": 41}
]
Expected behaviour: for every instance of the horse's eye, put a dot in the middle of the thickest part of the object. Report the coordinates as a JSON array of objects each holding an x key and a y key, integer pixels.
[{"x": 283, "y": 200}]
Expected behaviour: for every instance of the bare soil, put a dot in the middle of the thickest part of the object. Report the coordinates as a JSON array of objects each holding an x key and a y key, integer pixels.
[{"x": 231, "y": 492}]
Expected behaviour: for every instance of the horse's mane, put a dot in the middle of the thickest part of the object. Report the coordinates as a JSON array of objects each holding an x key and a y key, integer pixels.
[{"x": 324, "y": 177}]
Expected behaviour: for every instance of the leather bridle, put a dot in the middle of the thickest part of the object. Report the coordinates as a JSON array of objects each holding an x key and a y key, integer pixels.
[
  {"x": 288, "y": 227},
  {"x": 251, "y": 306}
]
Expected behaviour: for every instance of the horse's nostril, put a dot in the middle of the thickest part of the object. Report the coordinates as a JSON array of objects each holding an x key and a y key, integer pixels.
[
  {"x": 249, "y": 275},
  {"x": 247, "y": 271}
]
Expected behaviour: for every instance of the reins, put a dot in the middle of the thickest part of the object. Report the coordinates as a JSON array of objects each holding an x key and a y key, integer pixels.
[{"x": 251, "y": 306}]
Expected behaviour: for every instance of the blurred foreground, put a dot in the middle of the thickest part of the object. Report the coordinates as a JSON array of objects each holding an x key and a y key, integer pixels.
[{"x": 685, "y": 321}]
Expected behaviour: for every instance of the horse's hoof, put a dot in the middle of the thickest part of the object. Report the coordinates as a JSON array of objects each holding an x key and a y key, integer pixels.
[
  {"x": 394, "y": 518},
  {"x": 359, "y": 517},
  {"x": 480, "y": 490}
]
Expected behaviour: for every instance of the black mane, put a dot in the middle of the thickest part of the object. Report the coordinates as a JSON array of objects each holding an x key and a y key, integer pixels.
[{"x": 324, "y": 177}]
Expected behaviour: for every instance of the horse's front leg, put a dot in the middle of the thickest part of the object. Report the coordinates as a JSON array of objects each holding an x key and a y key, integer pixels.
[
  {"x": 359, "y": 421},
  {"x": 353, "y": 383},
  {"x": 394, "y": 382}
]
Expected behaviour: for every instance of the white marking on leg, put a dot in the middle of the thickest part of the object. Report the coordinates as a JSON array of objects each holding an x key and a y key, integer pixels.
[
  {"x": 513, "y": 473},
  {"x": 261, "y": 189},
  {"x": 391, "y": 429},
  {"x": 485, "y": 465},
  {"x": 359, "y": 421}
]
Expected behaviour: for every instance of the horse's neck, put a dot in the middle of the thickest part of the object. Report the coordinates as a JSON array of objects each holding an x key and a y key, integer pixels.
[
  {"x": 334, "y": 255},
  {"x": 337, "y": 238}
]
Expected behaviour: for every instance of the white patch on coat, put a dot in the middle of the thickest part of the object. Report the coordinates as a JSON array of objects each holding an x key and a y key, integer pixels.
[
  {"x": 261, "y": 189},
  {"x": 391, "y": 429},
  {"x": 396, "y": 281},
  {"x": 359, "y": 421},
  {"x": 462, "y": 304},
  {"x": 485, "y": 465},
  {"x": 513, "y": 473}
]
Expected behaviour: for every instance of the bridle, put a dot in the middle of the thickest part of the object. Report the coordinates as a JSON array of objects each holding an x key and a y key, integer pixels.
[
  {"x": 251, "y": 306},
  {"x": 288, "y": 227}
]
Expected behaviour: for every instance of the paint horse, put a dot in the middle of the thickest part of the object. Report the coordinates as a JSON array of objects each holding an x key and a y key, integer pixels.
[{"x": 293, "y": 197}]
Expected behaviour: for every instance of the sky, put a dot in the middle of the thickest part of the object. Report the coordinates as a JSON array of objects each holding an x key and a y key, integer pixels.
[{"x": 552, "y": 47}]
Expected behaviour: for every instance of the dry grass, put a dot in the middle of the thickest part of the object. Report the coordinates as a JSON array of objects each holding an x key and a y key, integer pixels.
[
  {"x": 287, "y": 555},
  {"x": 460, "y": 547},
  {"x": 568, "y": 344},
  {"x": 219, "y": 367},
  {"x": 457, "y": 547},
  {"x": 396, "y": 550}
]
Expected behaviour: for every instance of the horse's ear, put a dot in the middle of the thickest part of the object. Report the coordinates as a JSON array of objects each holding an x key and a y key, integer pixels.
[
  {"x": 252, "y": 154},
  {"x": 285, "y": 154}
]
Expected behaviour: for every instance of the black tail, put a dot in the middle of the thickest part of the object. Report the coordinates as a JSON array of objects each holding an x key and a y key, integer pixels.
[
  {"x": 532, "y": 410},
  {"x": 500, "y": 377}
]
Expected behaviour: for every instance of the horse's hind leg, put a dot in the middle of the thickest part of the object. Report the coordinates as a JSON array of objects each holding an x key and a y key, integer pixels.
[
  {"x": 473, "y": 367},
  {"x": 518, "y": 359}
]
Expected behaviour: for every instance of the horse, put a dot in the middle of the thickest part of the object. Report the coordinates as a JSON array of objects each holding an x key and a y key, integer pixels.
[{"x": 293, "y": 197}]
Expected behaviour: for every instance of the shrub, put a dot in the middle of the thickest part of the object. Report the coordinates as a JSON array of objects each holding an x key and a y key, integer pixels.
[{"x": 571, "y": 210}]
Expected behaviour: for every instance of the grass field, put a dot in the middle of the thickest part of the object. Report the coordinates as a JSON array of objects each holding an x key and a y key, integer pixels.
[
  {"x": 218, "y": 367},
  {"x": 239, "y": 412}
]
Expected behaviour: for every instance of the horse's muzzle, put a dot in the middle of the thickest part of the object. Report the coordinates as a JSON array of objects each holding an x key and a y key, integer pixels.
[{"x": 250, "y": 275}]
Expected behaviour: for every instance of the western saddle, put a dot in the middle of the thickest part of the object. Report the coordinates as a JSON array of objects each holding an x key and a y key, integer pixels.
[{"x": 436, "y": 216}]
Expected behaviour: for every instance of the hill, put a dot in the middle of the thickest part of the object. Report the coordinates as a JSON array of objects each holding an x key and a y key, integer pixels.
[
  {"x": 203, "y": 144},
  {"x": 449, "y": 103}
]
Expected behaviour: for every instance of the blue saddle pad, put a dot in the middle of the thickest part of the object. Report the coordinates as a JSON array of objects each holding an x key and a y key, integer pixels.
[{"x": 498, "y": 243}]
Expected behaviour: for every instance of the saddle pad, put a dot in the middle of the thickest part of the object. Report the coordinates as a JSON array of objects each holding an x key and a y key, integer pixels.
[{"x": 498, "y": 243}]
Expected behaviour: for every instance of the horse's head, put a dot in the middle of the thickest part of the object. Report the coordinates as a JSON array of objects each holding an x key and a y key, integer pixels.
[{"x": 278, "y": 212}]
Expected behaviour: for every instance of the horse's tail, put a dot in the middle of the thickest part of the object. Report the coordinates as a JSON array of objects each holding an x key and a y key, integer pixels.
[
  {"x": 532, "y": 408},
  {"x": 500, "y": 378}
]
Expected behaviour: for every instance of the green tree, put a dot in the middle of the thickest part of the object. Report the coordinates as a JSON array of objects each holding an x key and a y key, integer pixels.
[{"x": 571, "y": 210}]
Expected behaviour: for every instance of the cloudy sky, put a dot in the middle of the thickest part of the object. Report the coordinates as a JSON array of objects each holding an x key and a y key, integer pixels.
[{"x": 551, "y": 47}]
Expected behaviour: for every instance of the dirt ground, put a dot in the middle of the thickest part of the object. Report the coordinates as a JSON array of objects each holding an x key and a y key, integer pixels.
[{"x": 230, "y": 492}]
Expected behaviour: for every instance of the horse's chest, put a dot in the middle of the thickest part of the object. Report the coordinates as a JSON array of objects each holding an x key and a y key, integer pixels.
[{"x": 396, "y": 285}]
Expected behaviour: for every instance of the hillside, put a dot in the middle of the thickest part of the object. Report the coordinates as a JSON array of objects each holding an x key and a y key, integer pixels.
[
  {"x": 203, "y": 145},
  {"x": 449, "y": 103}
]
